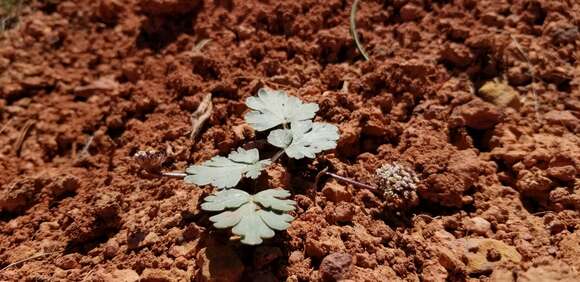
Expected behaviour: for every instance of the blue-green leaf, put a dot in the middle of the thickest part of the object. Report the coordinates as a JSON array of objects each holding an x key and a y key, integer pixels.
[
  {"x": 274, "y": 107},
  {"x": 227, "y": 172},
  {"x": 253, "y": 218}
]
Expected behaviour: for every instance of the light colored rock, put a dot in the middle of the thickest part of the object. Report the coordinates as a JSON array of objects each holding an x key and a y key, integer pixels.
[
  {"x": 485, "y": 254},
  {"x": 500, "y": 94},
  {"x": 123, "y": 275},
  {"x": 162, "y": 275},
  {"x": 478, "y": 225}
]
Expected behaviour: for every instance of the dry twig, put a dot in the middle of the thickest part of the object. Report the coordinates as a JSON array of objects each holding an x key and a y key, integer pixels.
[
  {"x": 343, "y": 179},
  {"x": 39, "y": 255},
  {"x": 22, "y": 136},
  {"x": 200, "y": 116},
  {"x": 201, "y": 44},
  {"x": 85, "y": 149},
  {"x": 532, "y": 74},
  {"x": 353, "y": 30}
]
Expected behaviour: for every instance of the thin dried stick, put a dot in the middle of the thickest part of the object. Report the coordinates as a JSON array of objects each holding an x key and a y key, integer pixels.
[
  {"x": 42, "y": 254},
  {"x": 85, "y": 149},
  {"x": 22, "y": 136},
  {"x": 353, "y": 30},
  {"x": 532, "y": 74},
  {"x": 317, "y": 178},
  {"x": 201, "y": 115},
  {"x": 343, "y": 179},
  {"x": 351, "y": 181},
  {"x": 201, "y": 44}
]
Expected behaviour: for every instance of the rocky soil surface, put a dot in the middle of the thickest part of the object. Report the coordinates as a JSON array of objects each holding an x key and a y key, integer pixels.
[{"x": 480, "y": 99}]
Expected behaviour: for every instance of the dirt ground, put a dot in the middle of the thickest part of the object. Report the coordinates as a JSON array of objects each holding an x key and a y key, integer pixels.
[{"x": 481, "y": 98}]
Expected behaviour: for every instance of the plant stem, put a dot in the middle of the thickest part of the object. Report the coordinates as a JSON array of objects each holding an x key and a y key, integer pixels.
[
  {"x": 176, "y": 174},
  {"x": 351, "y": 181},
  {"x": 277, "y": 156}
]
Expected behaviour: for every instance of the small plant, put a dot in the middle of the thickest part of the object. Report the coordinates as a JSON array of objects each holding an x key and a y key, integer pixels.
[
  {"x": 255, "y": 217},
  {"x": 396, "y": 184}
]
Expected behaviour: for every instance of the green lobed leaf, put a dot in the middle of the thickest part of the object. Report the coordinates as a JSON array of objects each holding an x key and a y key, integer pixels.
[
  {"x": 272, "y": 198},
  {"x": 253, "y": 218},
  {"x": 231, "y": 198},
  {"x": 227, "y": 172},
  {"x": 307, "y": 139},
  {"x": 274, "y": 107}
]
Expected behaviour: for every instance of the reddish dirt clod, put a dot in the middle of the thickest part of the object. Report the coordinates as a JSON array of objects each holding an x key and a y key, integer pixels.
[{"x": 500, "y": 173}]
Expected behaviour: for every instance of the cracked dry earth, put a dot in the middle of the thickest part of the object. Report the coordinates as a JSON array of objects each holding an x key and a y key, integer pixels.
[{"x": 448, "y": 93}]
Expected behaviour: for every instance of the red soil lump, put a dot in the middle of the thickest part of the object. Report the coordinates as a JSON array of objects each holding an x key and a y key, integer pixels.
[{"x": 447, "y": 92}]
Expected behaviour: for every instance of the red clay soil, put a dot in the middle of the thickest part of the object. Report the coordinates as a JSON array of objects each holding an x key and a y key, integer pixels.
[{"x": 448, "y": 93}]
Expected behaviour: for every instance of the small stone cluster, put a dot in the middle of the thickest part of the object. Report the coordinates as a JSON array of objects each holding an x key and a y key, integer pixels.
[{"x": 398, "y": 185}]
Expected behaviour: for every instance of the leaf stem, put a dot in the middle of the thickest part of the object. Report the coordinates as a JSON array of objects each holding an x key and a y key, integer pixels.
[
  {"x": 277, "y": 156},
  {"x": 176, "y": 174},
  {"x": 351, "y": 181}
]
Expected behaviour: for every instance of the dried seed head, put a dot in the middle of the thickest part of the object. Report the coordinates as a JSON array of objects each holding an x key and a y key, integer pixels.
[
  {"x": 398, "y": 185},
  {"x": 150, "y": 161}
]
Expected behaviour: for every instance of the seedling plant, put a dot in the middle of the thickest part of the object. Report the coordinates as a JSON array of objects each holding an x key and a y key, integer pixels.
[{"x": 255, "y": 217}]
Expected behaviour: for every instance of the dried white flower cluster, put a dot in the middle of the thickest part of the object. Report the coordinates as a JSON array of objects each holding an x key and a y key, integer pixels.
[
  {"x": 150, "y": 161},
  {"x": 398, "y": 184}
]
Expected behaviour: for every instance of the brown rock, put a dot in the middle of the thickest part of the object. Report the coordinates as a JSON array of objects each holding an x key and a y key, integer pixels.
[
  {"x": 109, "y": 10},
  {"x": 411, "y": 12},
  {"x": 476, "y": 114},
  {"x": 564, "y": 118},
  {"x": 264, "y": 255},
  {"x": 336, "y": 192},
  {"x": 449, "y": 260},
  {"x": 562, "y": 173},
  {"x": 100, "y": 86},
  {"x": 111, "y": 248},
  {"x": 19, "y": 195},
  {"x": 457, "y": 54},
  {"x": 336, "y": 266},
  {"x": 67, "y": 262},
  {"x": 343, "y": 212},
  {"x": 313, "y": 248},
  {"x": 219, "y": 264},
  {"x": 433, "y": 272}
]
